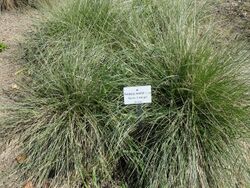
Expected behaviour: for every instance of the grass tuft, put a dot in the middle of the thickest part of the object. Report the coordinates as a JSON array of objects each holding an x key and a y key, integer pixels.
[
  {"x": 2, "y": 46},
  {"x": 70, "y": 115}
]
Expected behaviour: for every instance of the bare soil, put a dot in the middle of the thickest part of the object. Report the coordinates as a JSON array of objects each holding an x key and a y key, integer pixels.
[
  {"x": 12, "y": 27},
  {"x": 234, "y": 18}
]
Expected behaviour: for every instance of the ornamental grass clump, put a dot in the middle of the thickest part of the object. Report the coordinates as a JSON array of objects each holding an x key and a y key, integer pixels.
[
  {"x": 61, "y": 115},
  {"x": 70, "y": 115}
]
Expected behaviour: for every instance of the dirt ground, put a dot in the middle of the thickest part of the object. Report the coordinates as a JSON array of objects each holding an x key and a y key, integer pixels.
[
  {"x": 234, "y": 19},
  {"x": 235, "y": 16},
  {"x": 12, "y": 27}
]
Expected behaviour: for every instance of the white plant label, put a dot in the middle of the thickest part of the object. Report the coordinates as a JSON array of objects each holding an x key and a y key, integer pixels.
[{"x": 137, "y": 95}]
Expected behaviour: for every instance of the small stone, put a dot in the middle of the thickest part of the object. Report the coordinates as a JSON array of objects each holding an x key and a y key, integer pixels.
[
  {"x": 21, "y": 158},
  {"x": 15, "y": 86}
]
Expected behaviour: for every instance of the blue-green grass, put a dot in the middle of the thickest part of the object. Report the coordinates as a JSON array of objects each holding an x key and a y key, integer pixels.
[{"x": 70, "y": 114}]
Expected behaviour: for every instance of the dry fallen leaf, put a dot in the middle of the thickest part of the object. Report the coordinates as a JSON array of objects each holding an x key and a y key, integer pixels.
[
  {"x": 21, "y": 158},
  {"x": 29, "y": 184}
]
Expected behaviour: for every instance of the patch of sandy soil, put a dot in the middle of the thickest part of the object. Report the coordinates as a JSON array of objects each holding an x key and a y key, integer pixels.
[
  {"x": 12, "y": 27},
  {"x": 234, "y": 16}
]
